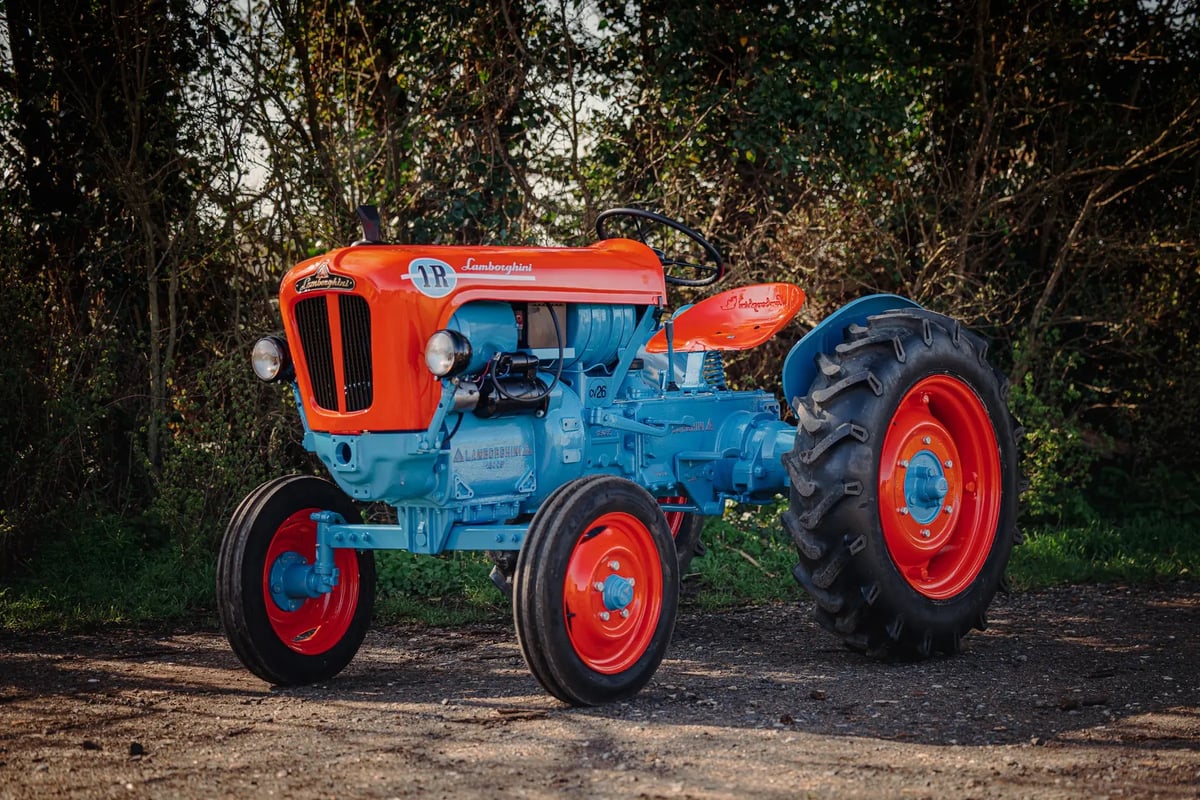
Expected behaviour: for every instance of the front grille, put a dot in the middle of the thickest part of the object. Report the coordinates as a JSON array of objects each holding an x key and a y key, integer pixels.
[{"x": 316, "y": 339}]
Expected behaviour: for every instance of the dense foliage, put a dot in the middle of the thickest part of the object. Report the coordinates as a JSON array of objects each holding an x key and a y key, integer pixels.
[{"x": 1031, "y": 167}]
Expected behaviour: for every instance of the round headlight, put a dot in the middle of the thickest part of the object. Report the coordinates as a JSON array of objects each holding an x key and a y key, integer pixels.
[
  {"x": 447, "y": 353},
  {"x": 270, "y": 359}
]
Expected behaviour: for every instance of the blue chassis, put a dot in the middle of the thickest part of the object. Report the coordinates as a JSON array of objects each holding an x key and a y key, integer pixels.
[{"x": 434, "y": 529}]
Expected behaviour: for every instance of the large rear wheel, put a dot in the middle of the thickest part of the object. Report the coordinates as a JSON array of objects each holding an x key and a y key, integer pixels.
[
  {"x": 596, "y": 591},
  {"x": 904, "y": 485},
  {"x": 281, "y": 635}
]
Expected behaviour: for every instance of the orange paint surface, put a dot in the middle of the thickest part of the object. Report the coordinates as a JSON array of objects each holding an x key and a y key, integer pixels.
[{"x": 412, "y": 291}]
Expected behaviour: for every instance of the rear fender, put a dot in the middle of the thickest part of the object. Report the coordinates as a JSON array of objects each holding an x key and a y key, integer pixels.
[{"x": 800, "y": 366}]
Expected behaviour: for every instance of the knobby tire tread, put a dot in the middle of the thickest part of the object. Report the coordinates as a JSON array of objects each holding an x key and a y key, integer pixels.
[{"x": 833, "y": 517}]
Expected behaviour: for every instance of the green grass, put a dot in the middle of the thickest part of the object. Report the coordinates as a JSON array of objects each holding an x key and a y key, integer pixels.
[
  {"x": 749, "y": 560},
  {"x": 105, "y": 570},
  {"x": 1145, "y": 549},
  {"x": 451, "y": 589}
]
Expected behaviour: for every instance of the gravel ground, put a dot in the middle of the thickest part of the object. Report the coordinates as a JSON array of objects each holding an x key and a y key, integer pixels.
[{"x": 1081, "y": 692}]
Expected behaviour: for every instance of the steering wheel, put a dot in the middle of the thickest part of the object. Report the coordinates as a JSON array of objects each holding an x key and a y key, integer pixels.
[{"x": 657, "y": 232}]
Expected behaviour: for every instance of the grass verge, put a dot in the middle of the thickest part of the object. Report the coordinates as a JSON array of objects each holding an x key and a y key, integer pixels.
[
  {"x": 107, "y": 570},
  {"x": 1145, "y": 549}
]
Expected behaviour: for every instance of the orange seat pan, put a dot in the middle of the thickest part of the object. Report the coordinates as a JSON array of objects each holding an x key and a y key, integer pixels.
[{"x": 737, "y": 319}]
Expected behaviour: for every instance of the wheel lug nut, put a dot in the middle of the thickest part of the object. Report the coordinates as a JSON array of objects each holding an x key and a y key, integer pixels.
[
  {"x": 949, "y": 509},
  {"x": 949, "y": 464},
  {"x": 598, "y": 586},
  {"x": 632, "y": 581},
  {"x": 903, "y": 464},
  {"x": 604, "y": 615},
  {"x": 614, "y": 565},
  {"x": 625, "y": 613},
  {"x": 926, "y": 440},
  {"x": 925, "y": 532},
  {"x": 903, "y": 511},
  {"x": 276, "y": 588}
]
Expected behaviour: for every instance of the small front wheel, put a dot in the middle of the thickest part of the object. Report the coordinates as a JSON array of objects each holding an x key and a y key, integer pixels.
[
  {"x": 596, "y": 591},
  {"x": 281, "y": 636}
]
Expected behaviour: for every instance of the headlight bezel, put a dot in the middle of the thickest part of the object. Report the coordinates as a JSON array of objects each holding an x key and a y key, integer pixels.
[
  {"x": 447, "y": 353},
  {"x": 271, "y": 360}
]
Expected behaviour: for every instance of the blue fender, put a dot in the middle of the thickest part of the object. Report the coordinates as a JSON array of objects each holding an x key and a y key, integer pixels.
[{"x": 800, "y": 366}]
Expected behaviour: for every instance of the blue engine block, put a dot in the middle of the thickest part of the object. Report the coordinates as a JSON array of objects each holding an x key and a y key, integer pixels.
[{"x": 665, "y": 421}]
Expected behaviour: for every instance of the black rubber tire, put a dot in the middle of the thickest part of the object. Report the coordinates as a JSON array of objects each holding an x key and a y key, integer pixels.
[
  {"x": 835, "y": 516},
  {"x": 688, "y": 544},
  {"x": 686, "y": 528},
  {"x": 543, "y": 621},
  {"x": 240, "y": 568}
]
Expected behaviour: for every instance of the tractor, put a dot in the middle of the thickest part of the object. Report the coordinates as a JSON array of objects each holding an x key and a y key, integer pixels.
[{"x": 545, "y": 406}]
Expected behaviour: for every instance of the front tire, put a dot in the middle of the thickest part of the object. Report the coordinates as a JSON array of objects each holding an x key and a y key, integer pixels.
[
  {"x": 596, "y": 591},
  {"x": 285, "y": 640},
  {"x": 904, "y": 485}
]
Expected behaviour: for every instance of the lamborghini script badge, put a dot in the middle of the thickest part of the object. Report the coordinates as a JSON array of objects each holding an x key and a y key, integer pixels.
[{"x": 324, "y": 279}]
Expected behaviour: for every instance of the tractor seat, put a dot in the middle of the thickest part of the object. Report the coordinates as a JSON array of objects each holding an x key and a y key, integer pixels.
[{"x": 736, "y": 319}]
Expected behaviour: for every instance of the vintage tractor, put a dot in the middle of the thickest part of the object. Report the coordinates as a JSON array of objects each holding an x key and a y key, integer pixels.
[{"x": 544, "y": 406}]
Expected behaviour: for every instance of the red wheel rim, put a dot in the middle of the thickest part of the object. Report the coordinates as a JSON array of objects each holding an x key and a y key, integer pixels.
[
  {"x": 609, "y": 637},
  {"x": 674, "y": 518},
  {"x": 939, "y": 525},
  {"x": 321, "y": 622}
]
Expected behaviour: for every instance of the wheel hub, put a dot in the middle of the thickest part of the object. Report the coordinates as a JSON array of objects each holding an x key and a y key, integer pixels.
[
  {"x": 618, "y": 592},
  {"x": 925, "y": 487},
  {"x": 288, "y": 581}
]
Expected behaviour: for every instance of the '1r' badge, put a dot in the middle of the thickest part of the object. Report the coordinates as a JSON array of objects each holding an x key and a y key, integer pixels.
[{"x": 432, "y": 277}]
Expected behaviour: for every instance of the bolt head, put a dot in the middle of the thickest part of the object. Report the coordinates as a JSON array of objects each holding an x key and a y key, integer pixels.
[
  {"x": 604, "y": 615},
  {"x": 902, "y": 511},
  {"x": 903, "y": 463},
  {"x": 926, "y": 440},
  {"x": 625, "y": 613},
  {"x": 614, "y": 565},
  {"x": 598, "y": 586},
  {"x": 949, "y": 509},
  {"x": 925, "y": 532},
  {"x": 949, "y": 464},
  {"x": 276, "y": 588},
  {"x": 632, "y": 581}
]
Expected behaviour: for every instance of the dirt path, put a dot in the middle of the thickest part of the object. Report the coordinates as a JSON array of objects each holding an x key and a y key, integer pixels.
[{"x": 1083, "y": 692}]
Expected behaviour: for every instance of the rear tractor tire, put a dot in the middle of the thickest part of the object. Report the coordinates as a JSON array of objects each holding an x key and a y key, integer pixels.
[{"x": 904, "y": 484}]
